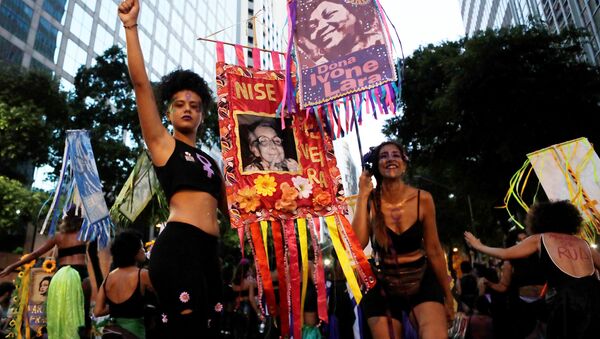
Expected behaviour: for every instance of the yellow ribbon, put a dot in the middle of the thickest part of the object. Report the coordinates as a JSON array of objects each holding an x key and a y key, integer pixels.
[
  {"x": 304, "y": 255},
  {"x": 343, "y": 258},
  {"x": 264, "y": 227}
]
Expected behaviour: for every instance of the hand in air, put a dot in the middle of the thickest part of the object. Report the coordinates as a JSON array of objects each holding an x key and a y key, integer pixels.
[
  {"x": 365, "y": 184},
  {"x": 472, "y": 240},
  {"x": 128, "y": 12}
]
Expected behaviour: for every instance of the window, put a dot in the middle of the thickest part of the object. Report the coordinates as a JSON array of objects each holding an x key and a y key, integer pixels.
[
  {"x": 35, "y": 64},
  {"x": 9, "y": 52},
  {"x": 15, "y": 17},
  {"x": 81, "y": 24},
  {"x": 158, "y": 60},
  {"x": 104, "y": 39},
  {"x": 108, "y": 12},
  {"x": 161, "y": 33},
  {"x": 45, "y": 38},
  {"x": 75, "y": 56},
  {"x": 56, "y": 8}
]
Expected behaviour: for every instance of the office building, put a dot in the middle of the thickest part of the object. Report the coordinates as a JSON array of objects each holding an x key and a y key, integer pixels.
[
  {"x": 61, "y": 35},
  {"x": 556, "y": 14}
]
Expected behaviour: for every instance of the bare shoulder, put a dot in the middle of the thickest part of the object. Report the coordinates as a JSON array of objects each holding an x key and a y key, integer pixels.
[{"x": 425, "y": 198}]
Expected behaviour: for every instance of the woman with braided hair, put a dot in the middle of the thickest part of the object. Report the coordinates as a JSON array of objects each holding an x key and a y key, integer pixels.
[{"x": 409, "y": 261}]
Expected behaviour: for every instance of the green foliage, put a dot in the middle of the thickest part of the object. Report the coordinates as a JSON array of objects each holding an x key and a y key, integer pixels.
[
  {"x": 19, "y": 205},
  {"x": 474, "y": 108},
  {"x": 32, "y": 112}
]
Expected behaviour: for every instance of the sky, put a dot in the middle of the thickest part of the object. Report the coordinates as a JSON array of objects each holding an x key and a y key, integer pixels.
[{"x": 419, "y": 23}]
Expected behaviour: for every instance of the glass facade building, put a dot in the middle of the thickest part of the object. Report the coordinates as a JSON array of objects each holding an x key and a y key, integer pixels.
[
  {"x": 60, "y": 36},
  {"x": 556, "y": 14}
]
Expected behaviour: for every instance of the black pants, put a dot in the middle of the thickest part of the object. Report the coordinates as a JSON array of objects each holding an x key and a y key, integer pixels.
[{"x": 186, "y": 275}]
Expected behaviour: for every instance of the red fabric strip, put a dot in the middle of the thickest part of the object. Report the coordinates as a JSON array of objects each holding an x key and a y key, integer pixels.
[
  {"x": 280, "y": 259},
  {"x": 256, "y": 58},
  {"x": 241, "y": 236},
  {"x": 295, "y": 280},
  {"x": 262, "y": 263},
  {"x": 239, "y": 53},
  {"x": 220, "y": 52},
  {"x": 319, "y": 274},
  {"x": 364, "y": 268},
  {"x": 276, "y": 61}
]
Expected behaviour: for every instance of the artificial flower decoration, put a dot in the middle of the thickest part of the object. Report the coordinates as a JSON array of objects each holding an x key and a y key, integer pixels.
[
  {"x": 184, "y": 297},
  {"x": 321, "y": 199},
  {"x": 163, "y": 318},
  {"x": 303, "y": 186},
  {"x": 247, "y": 199},
  {"x": 218, "y": 307},
  {"x": 265, "y": 185},
  {"x": 49, "y": 265},
  {"x": 288, "y": 198},
  {"x": 29, "y": 264}
]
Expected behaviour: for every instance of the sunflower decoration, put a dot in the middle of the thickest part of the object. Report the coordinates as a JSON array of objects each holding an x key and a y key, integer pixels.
[
  {"x": 29, "y": 264},
  {"x": 49, "y": 265}
]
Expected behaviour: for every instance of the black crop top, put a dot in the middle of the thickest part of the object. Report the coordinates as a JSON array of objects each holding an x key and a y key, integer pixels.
[
  {"x": 189, "y": 168},
  {"x": 65, "y": 252},
  {"x": 412, "y": 238},
  {"x": 130, "y": 308}
]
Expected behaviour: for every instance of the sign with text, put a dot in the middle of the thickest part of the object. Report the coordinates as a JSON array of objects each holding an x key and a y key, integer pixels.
[
  {"x": 341, "y": 49},
  {"x": 274, "y": 168}
]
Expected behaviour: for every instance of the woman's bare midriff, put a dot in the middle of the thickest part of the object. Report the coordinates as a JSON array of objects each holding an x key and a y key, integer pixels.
[
  {"x": 66, "y": 240},
  {"x": 409, "y": 257},
  {"x": 198, "y": 209}
]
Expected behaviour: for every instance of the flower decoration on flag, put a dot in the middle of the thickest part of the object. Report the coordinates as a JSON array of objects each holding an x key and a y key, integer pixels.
[
  {"x": 247, "y": 199},
  {"x": 265, "y": 185},
  {"x": 303, "y": 186},
  {"x": 29, "y": 264},
  {"x": 49, "y": 265},
  {"x": 321, "y": 199},
  {"x": 289, "y": 195}
]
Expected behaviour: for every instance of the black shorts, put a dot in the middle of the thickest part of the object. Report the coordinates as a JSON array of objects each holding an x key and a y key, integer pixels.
[
  {"x": 310, "y": 303},
  {"x": 186, "y": 275},
  {"x": 375, "y": 304}
]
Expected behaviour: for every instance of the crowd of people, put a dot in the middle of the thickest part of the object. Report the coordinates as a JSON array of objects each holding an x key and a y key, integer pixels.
[{"x": 546, "y": 285}]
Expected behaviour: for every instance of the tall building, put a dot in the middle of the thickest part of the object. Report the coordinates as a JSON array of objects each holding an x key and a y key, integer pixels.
[
  {"x": 483, "y": 14},
  {"x": 265, "y": 27},
  {"x": 577, "y": 13},
  {"x": 556, "y": 14},
  {"x": 61, "y": 35}
]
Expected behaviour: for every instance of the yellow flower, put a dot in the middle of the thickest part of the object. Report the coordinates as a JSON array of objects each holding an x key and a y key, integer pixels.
[
  {"x": 49, "y": 265},
  {"x": 265, "y": 185},
  {"x": 247, "y": 199}
]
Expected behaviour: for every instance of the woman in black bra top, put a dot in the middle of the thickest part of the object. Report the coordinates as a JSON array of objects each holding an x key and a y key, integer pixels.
[
  {"x": 568, "y": 263},
  {"x": 122, "y": 292},
  {"x": 71, "y": 250},
  {"x": 184, "y": 267},
  {"x": 409, "y": 260}
]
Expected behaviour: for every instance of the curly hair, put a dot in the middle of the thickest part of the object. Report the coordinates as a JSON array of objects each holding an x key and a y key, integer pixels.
[
  {"x": 125, "y": 248},
  {"x": 72, "y": 221},
  {"x": 558, "y": 216},
  {"x": 180, "y": 80}
]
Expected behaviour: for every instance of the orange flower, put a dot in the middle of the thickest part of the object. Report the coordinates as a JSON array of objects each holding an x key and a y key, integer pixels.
[
  {"x": 288, "y": 198},
  {"x": 265, "y": 185},
  {"x": 247, "y": 199},
  {"x": 321, "y": 199}
]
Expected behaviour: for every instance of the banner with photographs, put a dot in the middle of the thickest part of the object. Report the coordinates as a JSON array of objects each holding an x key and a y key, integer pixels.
[
  {"x": 274, "y": 168},
  {"x": 341, "y": 49}
]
